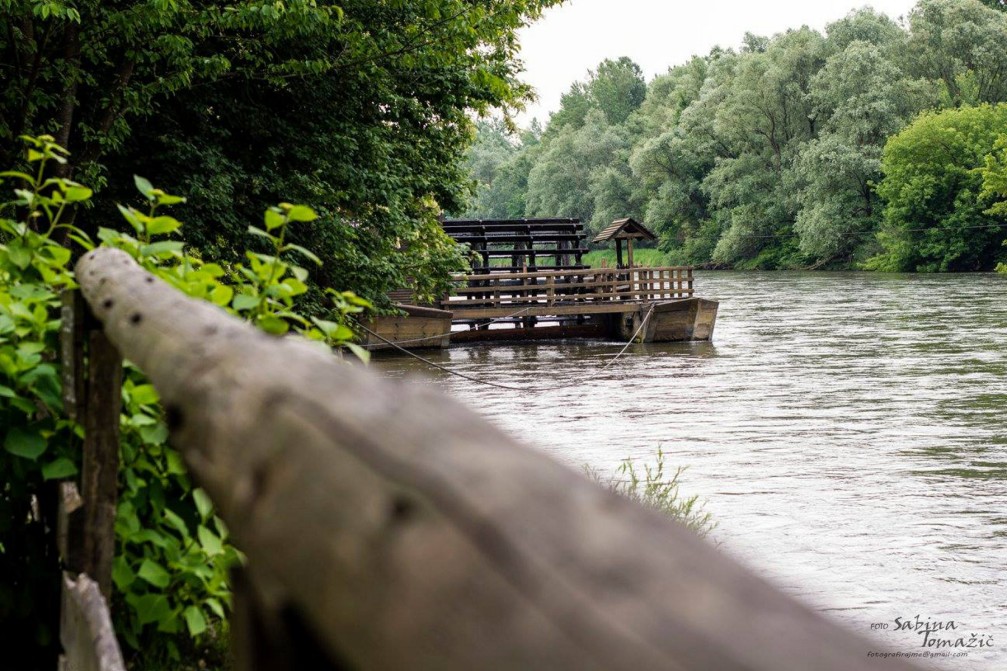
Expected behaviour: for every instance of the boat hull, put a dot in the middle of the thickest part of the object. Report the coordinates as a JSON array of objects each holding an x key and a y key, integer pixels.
[
  {"x": 419, "y": 328},
  {"x": 685, "y": 320}
]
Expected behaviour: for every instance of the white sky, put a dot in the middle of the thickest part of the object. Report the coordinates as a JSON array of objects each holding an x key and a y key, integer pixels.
[{"x": 574, "y": 37}]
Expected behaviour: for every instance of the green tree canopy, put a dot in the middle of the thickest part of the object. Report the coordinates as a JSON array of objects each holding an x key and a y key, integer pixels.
[
  {"x": 616, "y": 88},
  {"x": 767, "y": 155},
  {"x": 361, "y": 108},
  {"x": 934, "y": 217},
  {"x": 963, "y": 45}
]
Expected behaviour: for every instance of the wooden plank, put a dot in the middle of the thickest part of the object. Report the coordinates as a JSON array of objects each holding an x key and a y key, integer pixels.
[
  {"x": 100, "y": 470},
  {"x": 86, "y": 632},
  {"x": 592, "y": 330},
  {"x": 555, "y": 310},
  {"x": 404, "y": 531},
  {"x": 69, "y": 539},
  {"x": 519, "y": 300},
  {"x": 547, "y": 273},
  {"x": 71, "y": 338},
  {"x": 498, "y": 285}
]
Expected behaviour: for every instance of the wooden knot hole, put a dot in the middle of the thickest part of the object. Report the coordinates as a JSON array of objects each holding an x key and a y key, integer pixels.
[
  {"x": 402, "y": 509},
  {"x": 174, "y": 417}
]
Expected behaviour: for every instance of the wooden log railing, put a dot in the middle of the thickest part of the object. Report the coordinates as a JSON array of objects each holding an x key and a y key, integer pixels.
[{"x": 386, "y": 526}]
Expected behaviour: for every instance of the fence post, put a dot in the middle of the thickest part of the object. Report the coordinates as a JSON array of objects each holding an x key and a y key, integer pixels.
[
  {"x": 85, "y": 536},
  {"x": 92, "y": 395},
  {"x": 86, "y": 630}
]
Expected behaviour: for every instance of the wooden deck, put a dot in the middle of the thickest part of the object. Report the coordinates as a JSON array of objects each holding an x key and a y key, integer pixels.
[{"x": 547, "y": 304}]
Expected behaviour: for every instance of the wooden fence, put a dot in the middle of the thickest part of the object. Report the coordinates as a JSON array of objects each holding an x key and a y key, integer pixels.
[
  {"x": 488, "y": 295},
  {"x": 388, "y": 527}
]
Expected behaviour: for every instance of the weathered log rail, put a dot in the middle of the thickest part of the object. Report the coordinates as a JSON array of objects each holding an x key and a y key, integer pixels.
[{"x": 386, "y": 526}]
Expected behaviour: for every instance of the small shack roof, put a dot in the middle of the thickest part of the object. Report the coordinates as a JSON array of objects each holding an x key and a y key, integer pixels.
[{"x": 625, "y": 229}]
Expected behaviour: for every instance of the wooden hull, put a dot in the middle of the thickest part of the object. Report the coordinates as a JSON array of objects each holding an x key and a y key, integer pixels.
[
  {"x": 689, "y": 319},
  {"x": 683, "y": 320},
  {"x": 419, "y": 328}
]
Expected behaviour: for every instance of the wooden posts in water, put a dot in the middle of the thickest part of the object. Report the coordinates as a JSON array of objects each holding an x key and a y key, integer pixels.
[{"x": 387, "y": 526}]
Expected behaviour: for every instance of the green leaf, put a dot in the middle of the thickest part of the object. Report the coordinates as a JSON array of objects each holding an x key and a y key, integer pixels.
[
  {"x": 332, "y": 330},
  {"x": 358, "y": 351},
  {"x": 176, "y": 522},
  {"x": 296, "y": 286},
  {"x": 129, "y": 214},
  {"x": 60, "y": 468},
  {"x": 20, "y": 175},
  {"x": 154, "y": 573},
  {"x": 162, "y": 247},
  {"x": 59, "y": 255},
  {"x": 273, "y": 219},
  {"x": 255, "y": 230},
  {"x": 144, "y": 186},
  {"x": 212, "y": 269},
  {"x": 174, "y": 463},
  {"x": 273, "y": 325},
  {"x": 25, "y": 443},
  {"x": 168, "y": 199},
  {"x": 170, "y": 624},
  {"x": 216, "y": 607},
  {"x": 163, "y": 225},
  {"x": 244, "y": 302},
  {"x": 74, "y": 194},
  {"x": 140, "y": 419},
  {"x": 222, "y": 295},
  {"x": 18, "y": 254},
  {"x": 305, "y": 253},
  {"x": 122, "y": 574},
  {"x": 144, "y": 394},
  {"x": 301, "y": 213},
  {"x": 152, "y": 608},
  {"x": 203, "y": 503},
  {"x": 209, "y": 541},
  {"x": 195, "y": 620},
  {"x": 154, "y": 435}
]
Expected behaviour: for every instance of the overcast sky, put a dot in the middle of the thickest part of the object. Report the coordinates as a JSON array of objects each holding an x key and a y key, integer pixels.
[{"x": 574, "y": 37}]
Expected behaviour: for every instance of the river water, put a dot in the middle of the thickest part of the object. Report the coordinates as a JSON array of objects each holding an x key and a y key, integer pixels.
[{"x": 847, "y": 431}]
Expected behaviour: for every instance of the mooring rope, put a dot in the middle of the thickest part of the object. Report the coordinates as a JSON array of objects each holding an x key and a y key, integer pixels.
[{"x": 490, "y": 383}]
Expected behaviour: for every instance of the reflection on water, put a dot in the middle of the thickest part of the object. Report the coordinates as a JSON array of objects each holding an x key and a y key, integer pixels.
[{"x": 846, "y": 430}]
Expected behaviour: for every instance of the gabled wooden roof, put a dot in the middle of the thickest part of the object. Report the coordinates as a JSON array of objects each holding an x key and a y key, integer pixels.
[{"x": 625, "y": 229}]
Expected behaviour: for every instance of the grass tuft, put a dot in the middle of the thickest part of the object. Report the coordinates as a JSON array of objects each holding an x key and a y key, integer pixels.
[{"x": 653, "y": 488}]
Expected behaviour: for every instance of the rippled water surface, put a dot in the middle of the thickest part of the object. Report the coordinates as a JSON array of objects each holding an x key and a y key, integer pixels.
[{"x": 847, "y": 431}]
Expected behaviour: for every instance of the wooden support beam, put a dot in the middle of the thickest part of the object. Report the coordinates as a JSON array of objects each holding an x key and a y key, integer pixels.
[{"x": 395, "y": 528}]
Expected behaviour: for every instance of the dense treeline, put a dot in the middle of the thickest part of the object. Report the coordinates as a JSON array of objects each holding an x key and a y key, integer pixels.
[
  {"x": 800, "y": 150},
  {"x": 360, "y": 108}
]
